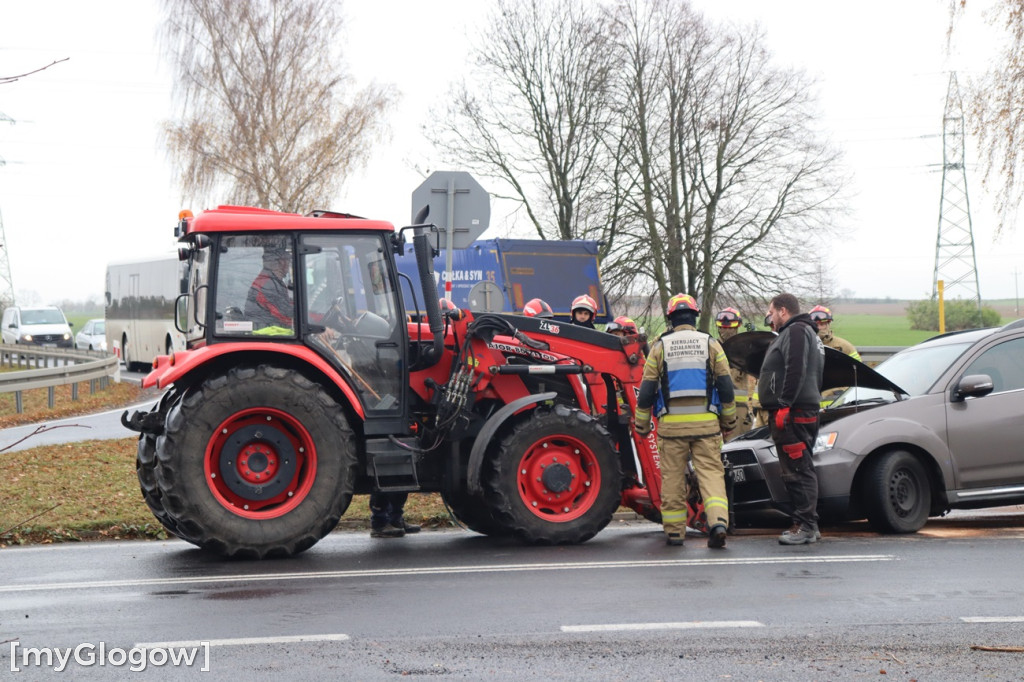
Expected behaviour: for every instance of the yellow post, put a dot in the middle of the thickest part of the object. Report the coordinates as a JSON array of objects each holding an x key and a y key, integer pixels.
[{"x": 942, "y": 307}]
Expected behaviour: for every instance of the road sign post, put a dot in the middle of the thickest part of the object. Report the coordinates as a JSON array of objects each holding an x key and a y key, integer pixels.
[{"x": 465, "y": 207}]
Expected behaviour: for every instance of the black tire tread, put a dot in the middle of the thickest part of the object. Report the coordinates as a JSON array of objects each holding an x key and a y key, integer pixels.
[
  {"x": 877, "y": 506},
  {"x": 190, "y": 505},
  {"x": 504, "y": 501}
]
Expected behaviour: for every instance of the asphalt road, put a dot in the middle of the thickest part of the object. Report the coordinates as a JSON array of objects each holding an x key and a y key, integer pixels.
[
  {"x": 99, "y": 426},
  {"x": 455, "y": 605}
]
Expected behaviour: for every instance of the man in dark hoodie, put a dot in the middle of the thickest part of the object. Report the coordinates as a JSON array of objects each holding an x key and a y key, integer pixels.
[{"x": 789, "y": 387}]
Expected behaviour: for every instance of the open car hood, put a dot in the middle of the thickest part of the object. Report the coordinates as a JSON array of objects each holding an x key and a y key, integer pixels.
[{"x": 746, "y": 352}]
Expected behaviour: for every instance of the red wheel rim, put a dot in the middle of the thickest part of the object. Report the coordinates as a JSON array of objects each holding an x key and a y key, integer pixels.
[
  {"x": 260, "y": 463},
  {"x": 558, "y": 478}
]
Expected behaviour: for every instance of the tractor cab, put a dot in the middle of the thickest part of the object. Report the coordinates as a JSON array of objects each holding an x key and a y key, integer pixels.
[{"x": 270, "y": 282}]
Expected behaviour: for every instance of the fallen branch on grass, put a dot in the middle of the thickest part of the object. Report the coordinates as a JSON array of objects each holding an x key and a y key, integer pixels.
[
  {"x": 31, "y": 518},
  {"x": 42, "y": 429}
]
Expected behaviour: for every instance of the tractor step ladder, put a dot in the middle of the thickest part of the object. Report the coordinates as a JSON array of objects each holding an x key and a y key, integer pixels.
[{"x": 392, "y": 464}]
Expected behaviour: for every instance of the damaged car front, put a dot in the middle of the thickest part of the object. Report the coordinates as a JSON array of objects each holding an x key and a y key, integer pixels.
[{"x": 935, "y": 427}]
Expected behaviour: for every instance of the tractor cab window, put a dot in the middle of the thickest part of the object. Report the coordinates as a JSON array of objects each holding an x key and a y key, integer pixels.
[
  {"x": 351, "y": 312},
  {"x": 255, "y": 292}
]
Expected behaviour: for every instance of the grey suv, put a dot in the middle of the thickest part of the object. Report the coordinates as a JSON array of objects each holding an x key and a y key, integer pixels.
[{"x": 936, "y": 427}]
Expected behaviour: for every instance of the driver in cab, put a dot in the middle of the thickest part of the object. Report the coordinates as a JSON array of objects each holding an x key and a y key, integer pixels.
[{"x": 269, "y": 303}]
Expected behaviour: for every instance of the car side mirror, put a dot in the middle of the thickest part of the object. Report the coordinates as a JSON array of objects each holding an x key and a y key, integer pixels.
[{"x": 971, "y": 386}]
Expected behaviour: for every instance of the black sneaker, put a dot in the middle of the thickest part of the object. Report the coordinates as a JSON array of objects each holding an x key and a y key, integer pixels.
[
  {"x": 716, "y": 540},
  {"x": 674, "y": 539},
  {"x": 387, "y": 531},
  {"x": 409, "y": 528}
]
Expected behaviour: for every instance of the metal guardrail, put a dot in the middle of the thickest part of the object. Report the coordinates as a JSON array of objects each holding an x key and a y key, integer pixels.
[
  {"x": 872, "y": 355},
  {"x": 78, "y": 366}
]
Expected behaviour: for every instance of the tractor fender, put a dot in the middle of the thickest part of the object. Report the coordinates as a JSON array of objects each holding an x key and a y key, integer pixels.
[
  {"x": 483, "y": 439},
  {"x": 168, "y": 369}
]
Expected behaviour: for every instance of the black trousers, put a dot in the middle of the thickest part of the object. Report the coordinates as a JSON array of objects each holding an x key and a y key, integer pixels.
[
  {"x": 794, "y": 443},
  {"x": 387, "y": 508}
]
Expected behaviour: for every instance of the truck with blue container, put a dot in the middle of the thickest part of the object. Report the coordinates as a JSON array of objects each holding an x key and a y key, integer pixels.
[{"x": 501, "y": 275}]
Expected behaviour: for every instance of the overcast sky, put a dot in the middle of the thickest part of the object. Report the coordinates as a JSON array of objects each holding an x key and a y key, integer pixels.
[{"x": 86, "y": 181}]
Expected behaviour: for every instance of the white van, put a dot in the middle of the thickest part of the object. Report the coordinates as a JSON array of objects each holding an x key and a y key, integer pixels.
[{"x": 38, "y": 325}]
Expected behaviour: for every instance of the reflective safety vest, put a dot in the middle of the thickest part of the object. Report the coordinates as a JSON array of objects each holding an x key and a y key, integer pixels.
[{"x": 684, "y": 373}]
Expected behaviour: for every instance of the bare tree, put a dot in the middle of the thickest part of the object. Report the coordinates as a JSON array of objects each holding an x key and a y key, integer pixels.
[
  {"x": 733, "y": 187},
  {"x": 994, "y": 110},
  {"x": 268, "y": 113},
  {"x": 534, "y": 115}
]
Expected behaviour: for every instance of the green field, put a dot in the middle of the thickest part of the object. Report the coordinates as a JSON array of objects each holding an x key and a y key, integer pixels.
[{"x": 878, "y": 330}]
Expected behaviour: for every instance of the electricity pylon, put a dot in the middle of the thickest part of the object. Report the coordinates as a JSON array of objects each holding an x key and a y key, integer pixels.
[
  {"x": 6, "y": 283},
  {"x": 955, "y": 263}
]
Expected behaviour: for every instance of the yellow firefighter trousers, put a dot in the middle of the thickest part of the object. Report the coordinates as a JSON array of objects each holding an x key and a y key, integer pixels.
[{"x": 706, "y": 453}]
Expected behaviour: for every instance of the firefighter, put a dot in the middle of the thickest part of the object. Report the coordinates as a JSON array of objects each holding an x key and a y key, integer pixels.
[
  {"x": 583, "y": 310},
  {"x": 537, "y": 307},
  {"x": 822, "y": 317},
  {"x": 760, "y": 414},
  {"x": 621, "y": 326},
  {"x": 686, "y": 379},
  {"x": 728, "y": 322}
]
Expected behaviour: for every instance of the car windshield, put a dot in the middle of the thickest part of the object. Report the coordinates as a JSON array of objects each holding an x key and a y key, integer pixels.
[
  {"x": 41, "y": 317},
  {"x": 914, "y": 370},
  {"x": 99, "y": 328}
]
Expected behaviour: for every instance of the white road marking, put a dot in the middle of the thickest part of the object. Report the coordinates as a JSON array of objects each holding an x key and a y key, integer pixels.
[
  {"x": 442, "y": 570},
  {"x": 692, "y": 625},
  {"x": 241, "y": 641},
  {"x": 992, "y": 619}
]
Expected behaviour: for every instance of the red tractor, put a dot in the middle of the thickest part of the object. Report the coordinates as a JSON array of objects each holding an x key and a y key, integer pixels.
[{"x": 304, "y": 382}]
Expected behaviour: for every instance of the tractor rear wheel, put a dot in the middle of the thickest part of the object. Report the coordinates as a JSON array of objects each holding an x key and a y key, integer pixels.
[
  {"x": 259, "y": 462},
  {"x": 556, "y": 478},
  {"x": 145, "y": 468}
]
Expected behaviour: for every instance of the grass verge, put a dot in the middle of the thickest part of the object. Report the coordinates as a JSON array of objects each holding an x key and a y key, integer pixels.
[{"x": 88, "y": 490}]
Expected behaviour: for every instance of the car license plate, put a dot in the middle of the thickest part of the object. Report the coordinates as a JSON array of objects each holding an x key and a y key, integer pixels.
[
  {"x": 49, "y": 345},
  {"x": 739, "y": 475}
]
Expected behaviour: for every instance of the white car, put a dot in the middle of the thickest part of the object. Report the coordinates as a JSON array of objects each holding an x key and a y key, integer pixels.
[{"x": 93, "y": 335}]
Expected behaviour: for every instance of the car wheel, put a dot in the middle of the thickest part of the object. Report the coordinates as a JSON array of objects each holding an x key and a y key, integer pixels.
[{"x": 897, "y": 495}]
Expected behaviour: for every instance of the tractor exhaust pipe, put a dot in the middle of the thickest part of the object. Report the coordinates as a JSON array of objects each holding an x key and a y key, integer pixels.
[{"x": 425, "y": 266}]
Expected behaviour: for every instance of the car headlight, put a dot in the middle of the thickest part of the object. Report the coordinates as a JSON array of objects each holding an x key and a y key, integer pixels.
[
  {"x": 825, "y": 441},
  {"x": 27, "y": 338},
  {"x": 67, "y": 336}
]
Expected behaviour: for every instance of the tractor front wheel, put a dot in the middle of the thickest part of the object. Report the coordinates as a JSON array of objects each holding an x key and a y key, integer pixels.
[
  {"x": 257, "y": 462},
  {"x": 556, "y": 478}
]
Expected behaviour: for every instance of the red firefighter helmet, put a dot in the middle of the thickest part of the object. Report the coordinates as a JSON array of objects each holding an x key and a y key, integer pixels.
[
  {"x": 681, "y": 303},
  {"x": 621, "y": 324},
  {"x": 820, "y": 313},
  {"x": 585, "y": 302},
  {"x": 728, "y": 318},
  {"x": 537, "y": 307}
]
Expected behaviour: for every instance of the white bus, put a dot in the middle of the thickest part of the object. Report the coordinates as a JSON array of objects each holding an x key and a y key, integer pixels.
[{"x": 140, "y": 300}]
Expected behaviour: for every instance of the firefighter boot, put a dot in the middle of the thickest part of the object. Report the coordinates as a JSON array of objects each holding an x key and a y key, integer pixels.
[
  {"x": 674, "y": 539},
  {"x": 716, "y": 539}
]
